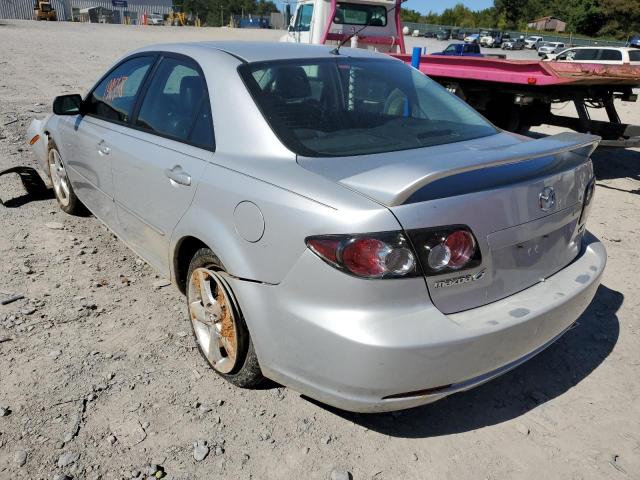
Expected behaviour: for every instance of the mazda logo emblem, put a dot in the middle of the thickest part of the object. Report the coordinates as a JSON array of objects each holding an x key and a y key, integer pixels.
[{"x": 547, "y": 199}]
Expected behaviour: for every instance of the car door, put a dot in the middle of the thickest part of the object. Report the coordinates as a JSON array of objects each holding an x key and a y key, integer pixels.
[
  {"x": 105, "y": 110},
  {"x": 159, "y": 158}
]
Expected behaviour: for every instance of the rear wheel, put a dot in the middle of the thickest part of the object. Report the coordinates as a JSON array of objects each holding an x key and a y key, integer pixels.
[
  {"x": 66, "y": 197},
  {"x": 217, "y": 323}
]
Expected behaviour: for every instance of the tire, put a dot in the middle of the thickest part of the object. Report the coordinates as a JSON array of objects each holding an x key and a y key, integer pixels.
[
  {"x": 62, "y": 188},
  {"x": 228, "y": 348}
]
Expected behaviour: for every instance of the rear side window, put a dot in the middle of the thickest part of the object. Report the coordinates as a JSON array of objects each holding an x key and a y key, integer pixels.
[
  {"x": 611, "y": 55},
  {"x": 586, "y": 55},
  {"x": 634, "y": 55},
  {"x": 176, "y": 104},
  {"x": 114, "y": 98}
]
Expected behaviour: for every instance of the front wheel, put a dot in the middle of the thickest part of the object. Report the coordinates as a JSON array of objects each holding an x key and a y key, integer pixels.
[
  {"x": 217, "y": 323},
  {"x": 66, "y": 197}
]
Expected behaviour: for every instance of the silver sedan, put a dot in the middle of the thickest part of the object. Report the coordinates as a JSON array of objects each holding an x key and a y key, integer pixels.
[{"x": 338, "y": 222}]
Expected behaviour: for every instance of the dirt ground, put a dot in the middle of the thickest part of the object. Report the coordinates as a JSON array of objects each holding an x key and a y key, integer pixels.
[{"x": 99, "y": 377}]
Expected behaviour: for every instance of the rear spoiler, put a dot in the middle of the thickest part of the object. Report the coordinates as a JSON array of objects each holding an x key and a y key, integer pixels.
[{"x": 405, "y": 180}]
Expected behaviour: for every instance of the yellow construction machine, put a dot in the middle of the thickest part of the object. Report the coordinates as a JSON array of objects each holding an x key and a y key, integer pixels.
[
  {"x": 178, "y": 18},
  {"x": 43, "y": 10}
]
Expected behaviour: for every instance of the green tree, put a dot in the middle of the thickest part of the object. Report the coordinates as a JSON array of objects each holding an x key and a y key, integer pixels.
[{"x": 410, "y": 15}]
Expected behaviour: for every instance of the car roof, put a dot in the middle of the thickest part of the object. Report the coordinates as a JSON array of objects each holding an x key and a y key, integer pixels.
[
  {"x": 600, "y": 47},
  {"x": 264, "y": 51}
]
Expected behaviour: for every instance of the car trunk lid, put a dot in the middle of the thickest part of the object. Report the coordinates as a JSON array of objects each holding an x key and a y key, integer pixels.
[{"x": 492, "y": 185}]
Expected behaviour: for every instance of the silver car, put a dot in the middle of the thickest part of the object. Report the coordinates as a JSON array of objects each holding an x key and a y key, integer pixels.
[
  {"x": 550, "y": 48},
  {"x": 338, "y": 222}
]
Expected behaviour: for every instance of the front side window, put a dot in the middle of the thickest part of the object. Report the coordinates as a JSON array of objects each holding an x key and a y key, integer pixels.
[
  {"x": 357, "y": 14},
  {"x": 176, "y": 104},
  {"x": 567, "y": 55},
  {"x": 358, "y": 106},
  {"x": 634, "y": 55},
  {"x": 303, "y": 21},
  {"x": 114, "y": 97}
]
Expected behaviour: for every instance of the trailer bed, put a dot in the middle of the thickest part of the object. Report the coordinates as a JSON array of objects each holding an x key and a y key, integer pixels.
[
  {"x": 526, "y": 72},
  {"x": 518, "y": 94}
]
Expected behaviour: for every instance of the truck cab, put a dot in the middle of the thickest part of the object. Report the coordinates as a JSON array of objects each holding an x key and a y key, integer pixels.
[{"x": 374, "y": 24}]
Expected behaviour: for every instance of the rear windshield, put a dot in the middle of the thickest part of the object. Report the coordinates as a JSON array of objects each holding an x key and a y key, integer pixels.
[
  {"x": 356, "y": 14},
  {"x": 346, "y": 106}
]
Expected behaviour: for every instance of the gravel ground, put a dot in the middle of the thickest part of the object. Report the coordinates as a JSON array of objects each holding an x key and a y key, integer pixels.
[{"x": 99, "y": 377}]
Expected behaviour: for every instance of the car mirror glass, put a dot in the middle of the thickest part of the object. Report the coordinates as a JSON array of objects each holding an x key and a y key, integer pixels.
[{"x": 67, "y": 105}]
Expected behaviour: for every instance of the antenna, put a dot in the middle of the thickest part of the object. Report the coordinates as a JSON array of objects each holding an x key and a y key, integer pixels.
[{"x": 336, "y": 51}]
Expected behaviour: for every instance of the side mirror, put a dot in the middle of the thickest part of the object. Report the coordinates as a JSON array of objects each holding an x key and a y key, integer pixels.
[{"x": 67, "y": 105}]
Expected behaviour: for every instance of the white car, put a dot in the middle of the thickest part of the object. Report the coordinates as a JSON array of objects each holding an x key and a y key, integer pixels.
[
  {"x": 602, "y": 55},
  {"x": 473, "y": 38},
  {"x": 549, "y": 48},
  {"x": 155, "y": 19},
  {"x": 533, "y": 42}
]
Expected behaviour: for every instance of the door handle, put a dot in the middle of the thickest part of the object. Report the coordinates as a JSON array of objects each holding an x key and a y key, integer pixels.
[
  {"x": 103, "y": 149},
  {"x": 177, "y": 175}
]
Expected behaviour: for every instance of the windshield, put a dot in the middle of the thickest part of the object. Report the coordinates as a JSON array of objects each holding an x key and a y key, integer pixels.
[
  {"x": 346, "y": 106},
  {"x": 356, "y": 14}
]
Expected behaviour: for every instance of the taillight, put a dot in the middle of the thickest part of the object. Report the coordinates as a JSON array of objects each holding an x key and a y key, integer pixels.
[
  {"x": 446, "y": 249},
  {"x": 376, "y": 255}
]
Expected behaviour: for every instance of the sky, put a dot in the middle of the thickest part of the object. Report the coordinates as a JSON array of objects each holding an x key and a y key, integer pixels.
[{"x": 438, "y": 6}]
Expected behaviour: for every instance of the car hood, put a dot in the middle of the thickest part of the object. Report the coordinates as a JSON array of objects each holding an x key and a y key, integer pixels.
[{"x": 391, "y": 178}]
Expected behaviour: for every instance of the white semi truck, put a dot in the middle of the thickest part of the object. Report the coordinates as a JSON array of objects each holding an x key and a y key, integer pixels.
[{"x": 375, "y": 23}]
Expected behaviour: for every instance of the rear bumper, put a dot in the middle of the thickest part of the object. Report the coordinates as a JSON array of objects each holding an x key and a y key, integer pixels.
[{"x": 367, "y": 345}]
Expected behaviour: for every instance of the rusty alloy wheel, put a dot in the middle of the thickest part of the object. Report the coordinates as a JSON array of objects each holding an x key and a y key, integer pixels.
[
  {"x": 59, "y": 179},
  {"x": 213, "y": 318}
]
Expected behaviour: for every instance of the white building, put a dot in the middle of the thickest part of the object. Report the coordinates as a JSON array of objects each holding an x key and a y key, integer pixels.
[{"x": 69, "y": 9}]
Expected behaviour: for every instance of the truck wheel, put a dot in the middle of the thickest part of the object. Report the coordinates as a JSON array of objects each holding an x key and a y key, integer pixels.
[
  {"x": 217, "y": 323},
  {"x": 62, "y": 188}
]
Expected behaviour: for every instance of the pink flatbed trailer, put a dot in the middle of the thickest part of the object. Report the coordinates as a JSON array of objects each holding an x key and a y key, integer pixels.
[{"x": 518, "y": 94}]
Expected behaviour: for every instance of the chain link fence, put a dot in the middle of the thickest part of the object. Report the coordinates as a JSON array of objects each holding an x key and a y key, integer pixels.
[{"x": 567, "y": 39}]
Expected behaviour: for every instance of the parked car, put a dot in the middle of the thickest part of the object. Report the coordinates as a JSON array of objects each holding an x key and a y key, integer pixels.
[
  {"x": 461, "y": 50},
  {"x": 500, "y": 39},
  {"x": 513, "y": 44},
  {"x": 550, "y": 48},
  {"x": 533, "y": 42},
  {"x": 473, "y": 38},
  {"x": 602, "y": 55},
  {"x": 493, "y": 38},
  {"x": 443, "y": 34},
  {"x": 403, "y": 251},
  {"x": 155, "y": 19},
  {"x": 634, "y": 42}
]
